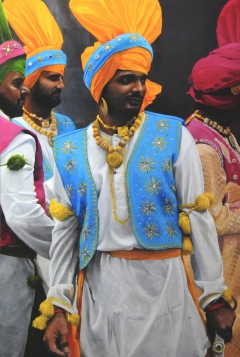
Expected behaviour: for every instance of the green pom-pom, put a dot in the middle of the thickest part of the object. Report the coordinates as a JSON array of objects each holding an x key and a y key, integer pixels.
[
  {"x": 34, "y": 281},
  {"x": 16, "y": 162}
]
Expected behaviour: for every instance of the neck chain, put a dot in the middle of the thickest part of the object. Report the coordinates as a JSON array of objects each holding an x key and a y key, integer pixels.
[
  {"x": 223, "y": 131},
  {"x": 50, "y": 134},
  {"x": 44, "y": 122},
  {"x": 122, "y": 130},
  {"x": 114, "y": 157}
]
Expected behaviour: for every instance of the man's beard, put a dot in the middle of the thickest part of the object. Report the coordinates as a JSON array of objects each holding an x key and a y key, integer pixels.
[
  {"x": 44, "y": 97},
  {"x": 10, "y": 109}
]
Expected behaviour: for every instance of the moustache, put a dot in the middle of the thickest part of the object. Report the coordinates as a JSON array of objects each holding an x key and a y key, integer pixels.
[
  {"x": 21, "y": 100},
  {"x": 57, "y": 91}
]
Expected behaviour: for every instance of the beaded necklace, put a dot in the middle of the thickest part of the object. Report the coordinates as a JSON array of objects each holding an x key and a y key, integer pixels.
[
  {"x": 122, "y": 130},
  {"x": 50, "y": 134},
  {"x": 114, "y": 157},
  {"x": 217, "y": 127},
  {"x": 44, "y": 122}
]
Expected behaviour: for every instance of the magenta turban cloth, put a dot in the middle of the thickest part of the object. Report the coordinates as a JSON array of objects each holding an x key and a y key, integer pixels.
[
  {"x": 228, "y": 25},
  {"x": 215, "y": 79}
]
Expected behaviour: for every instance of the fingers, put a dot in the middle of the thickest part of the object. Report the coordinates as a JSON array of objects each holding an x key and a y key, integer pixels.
[
  {"x": 64, "y": 344},
  {"x": 221, "y": 321},
  {"x": 56, "y": 336}
]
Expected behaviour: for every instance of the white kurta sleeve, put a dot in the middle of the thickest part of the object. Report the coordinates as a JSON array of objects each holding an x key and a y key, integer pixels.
[
  {"x": 23, "y": 214},
  {"x": 63, "y": 251},
  {"x": 206, "y": 259}
]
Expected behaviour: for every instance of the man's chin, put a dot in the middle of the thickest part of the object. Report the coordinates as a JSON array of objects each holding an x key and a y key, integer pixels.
[{"x": 56, "y": 100}]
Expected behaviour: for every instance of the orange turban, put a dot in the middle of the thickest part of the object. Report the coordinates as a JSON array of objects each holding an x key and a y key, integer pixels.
[
  {"x": 124, "y": 30},
  {"x": 37, "y": 29}
]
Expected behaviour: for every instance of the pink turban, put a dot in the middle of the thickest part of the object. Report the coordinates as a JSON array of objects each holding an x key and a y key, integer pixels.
[{"x": 215, "y": 79}]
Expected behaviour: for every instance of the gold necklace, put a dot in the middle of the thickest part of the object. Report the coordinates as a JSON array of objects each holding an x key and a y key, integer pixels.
[
  {"x": 114, "y": 157},
  {"x": 122, "y": 130},
  {"x": 44, "y": 122},
  {"x": 112, "y": 190},
  {"x": 217, "y": 127},
  {"x": 50, "y": 134}
]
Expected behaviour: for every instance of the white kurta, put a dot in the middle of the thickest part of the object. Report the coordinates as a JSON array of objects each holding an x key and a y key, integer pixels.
[
  {"x": 42, "y": 263},
  {"x": 135, "y": 308},
  {"x": 28, "y": 220}
]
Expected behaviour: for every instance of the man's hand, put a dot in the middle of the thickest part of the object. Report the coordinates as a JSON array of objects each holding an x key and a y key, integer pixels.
[
  {"x": 56, "y": 335},
  {"x": 221, "y": 321}
]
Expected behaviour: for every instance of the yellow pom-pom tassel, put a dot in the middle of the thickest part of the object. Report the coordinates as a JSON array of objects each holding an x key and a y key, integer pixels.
[
  {"x": 227, "y": 295},
  {"x": 73, "y": 319},
  {"x": 202, "y": 202},
  {"x": 59, "y": 211},
  {"x": 40, "y": 322},
  {"x": 184, "y": 223},
  {"x": 46, "y": 308},
  {"x": 187, "y": 247},
  {"x": 210, "y": 196}
]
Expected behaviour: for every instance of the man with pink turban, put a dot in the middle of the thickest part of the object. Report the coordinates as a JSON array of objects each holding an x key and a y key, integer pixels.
[
  {"x": 121, "y": 183},
  {"x": 215, "y": 88}
]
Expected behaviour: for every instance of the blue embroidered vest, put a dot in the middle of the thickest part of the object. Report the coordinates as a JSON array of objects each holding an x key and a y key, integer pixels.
[
  {"x": 64, "y": 125},
  {"x": 150, "y": 182}
]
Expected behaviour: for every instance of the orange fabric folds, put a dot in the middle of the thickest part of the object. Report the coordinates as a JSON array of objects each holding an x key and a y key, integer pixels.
[
  {"x": 32, "y": 78},
  {"x": 108, "y": 19},
  {"x": 37, "y": 29},
  {"x": 74, "y": 331},
  {"x": 138, "y": 59}
]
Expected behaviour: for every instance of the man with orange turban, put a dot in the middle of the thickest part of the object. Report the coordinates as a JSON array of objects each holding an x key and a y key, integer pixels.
[
  {"x": 45, "y": 66},
  {"x": 121, "y": 183},
  {"x": 25, "y": 228},
  {"x": 215, "y": 126}
]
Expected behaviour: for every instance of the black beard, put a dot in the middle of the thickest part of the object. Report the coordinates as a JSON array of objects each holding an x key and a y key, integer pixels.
[
  {"x": 41, "y": 96},
  {"x": 10, "y": 109}
]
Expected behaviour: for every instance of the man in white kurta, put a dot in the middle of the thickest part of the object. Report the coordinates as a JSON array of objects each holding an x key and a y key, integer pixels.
[
  {"x": 135, "y": 308},
  {"x": 126, "y": 190},
  {"x": 45, "y": 67}
]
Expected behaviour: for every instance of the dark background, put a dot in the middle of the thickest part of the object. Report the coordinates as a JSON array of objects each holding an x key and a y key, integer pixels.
[{"x": 189, "y": 33}]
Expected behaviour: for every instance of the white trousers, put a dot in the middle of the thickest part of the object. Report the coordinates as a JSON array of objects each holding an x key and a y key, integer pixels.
[
  {"x": 16, "y": 302},
  {"x": 139, "y": 309}
]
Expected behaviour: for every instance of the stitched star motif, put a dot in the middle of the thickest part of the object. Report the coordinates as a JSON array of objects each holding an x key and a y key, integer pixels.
[
  {"x": 151, "y": 230},
  {"x": 148, "y": 208},
  {"x": 68, "y": 147},
  {"x": 82, "y": 189},
  {"x": 171, "y": 231},
  {"x": 70, "y": 166},
  {"x": 107, "y": 47},
  {"x": 133, "y": 38},
  {"x": 146, "y": 164}
]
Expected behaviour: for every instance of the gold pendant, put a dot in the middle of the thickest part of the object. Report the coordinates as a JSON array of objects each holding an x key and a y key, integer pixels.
[
  {"x": 122, "y": 130},
  {"x": 114, "y": 159},
  {"x": 45, "y": 124}
]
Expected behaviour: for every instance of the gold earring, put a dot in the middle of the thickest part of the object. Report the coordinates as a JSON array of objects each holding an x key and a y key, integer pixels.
[{"x": 104, "y": 106}]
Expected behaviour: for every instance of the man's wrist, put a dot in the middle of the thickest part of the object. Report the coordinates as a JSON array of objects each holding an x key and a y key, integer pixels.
[{"x": 59, "y": 310}]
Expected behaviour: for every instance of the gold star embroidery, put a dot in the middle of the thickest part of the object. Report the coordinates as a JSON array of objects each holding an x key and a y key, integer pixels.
[
  {"x": 58, "y": 55},
  {"x": 107, "y": 47},
  {"x": 133, "y": 38},
  {"x": 40, "y": 59}
]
